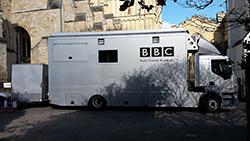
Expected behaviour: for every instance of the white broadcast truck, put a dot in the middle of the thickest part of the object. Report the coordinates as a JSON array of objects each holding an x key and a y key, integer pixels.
[{"x": 152, "y": 68}]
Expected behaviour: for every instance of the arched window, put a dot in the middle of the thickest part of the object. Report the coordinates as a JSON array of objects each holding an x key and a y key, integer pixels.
[{"x": 23, "y": 45}]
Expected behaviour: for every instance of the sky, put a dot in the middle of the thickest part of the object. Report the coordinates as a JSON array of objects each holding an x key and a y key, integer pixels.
[{"x": 173, "y": 14}]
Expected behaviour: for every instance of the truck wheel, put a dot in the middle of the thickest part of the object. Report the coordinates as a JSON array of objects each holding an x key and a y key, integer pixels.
[
  {"x": 211, "y": 103},
  {"x": 97, "y": 102}
]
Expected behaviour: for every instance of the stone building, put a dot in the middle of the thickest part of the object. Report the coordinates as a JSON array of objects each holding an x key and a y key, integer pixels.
[
  {"x": 211, "y": 30},
  {"x": 27, "y": 24}
]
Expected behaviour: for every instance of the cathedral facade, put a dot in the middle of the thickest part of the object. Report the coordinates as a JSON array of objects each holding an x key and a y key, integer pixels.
[{"x": 27, "y": 24}]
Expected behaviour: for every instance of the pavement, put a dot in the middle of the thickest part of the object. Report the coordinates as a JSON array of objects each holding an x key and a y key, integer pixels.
[{"x": 45, "y": 123}]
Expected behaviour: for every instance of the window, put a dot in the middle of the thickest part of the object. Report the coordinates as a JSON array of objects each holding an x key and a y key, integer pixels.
[
  {"x": 108, "y": 56},
  {"x": 221, "y": 68}
]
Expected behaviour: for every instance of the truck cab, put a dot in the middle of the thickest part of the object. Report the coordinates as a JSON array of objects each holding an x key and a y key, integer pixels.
[{"x": 211, "y": 74}]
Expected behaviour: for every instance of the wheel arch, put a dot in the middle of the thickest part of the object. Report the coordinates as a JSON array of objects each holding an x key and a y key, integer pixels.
[
  {"x": 208, "y": 102},
  {"x": 209, "y": 91},
  {"x": 97, "y": 95}
]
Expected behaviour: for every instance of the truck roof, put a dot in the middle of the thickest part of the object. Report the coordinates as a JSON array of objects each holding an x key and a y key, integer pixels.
[{"x": 116, "y": 33}]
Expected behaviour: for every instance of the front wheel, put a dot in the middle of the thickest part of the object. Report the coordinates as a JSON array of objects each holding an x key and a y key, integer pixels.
[
  {"x": 97, "y": 102},
  {"x": 211, "y": 103}
]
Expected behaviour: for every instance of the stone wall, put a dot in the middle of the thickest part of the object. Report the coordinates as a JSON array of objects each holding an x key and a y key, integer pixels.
[
  {"x": 8, "y": 55},
  {"x": 11, "y": 59},
  {"x": 3, "y": 58},
  {"x": 3, "y": 64},
  {"x": 135, "y": 18},
  {"x": 39, "y": 53},
  {"x": 28, "y": 5},
  {"x": 38, "y": 24}
]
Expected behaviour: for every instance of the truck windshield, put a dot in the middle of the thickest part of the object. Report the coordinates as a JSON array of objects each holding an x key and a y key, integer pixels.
[{"x": 221, "y": 68}]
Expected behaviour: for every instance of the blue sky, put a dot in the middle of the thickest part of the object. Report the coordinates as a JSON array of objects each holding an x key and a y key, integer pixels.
[{"x": 173, "y": 14}]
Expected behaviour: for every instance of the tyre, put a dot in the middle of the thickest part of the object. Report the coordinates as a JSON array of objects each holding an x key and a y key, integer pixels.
[
  {"x": 211, "y": 103},
  {"x": 97, "y": 102}
]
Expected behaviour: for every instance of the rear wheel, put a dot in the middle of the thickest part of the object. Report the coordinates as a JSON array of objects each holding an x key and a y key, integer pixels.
[
  {"x": 211, "y": 103},
  {"x": 97, "y": 102}
]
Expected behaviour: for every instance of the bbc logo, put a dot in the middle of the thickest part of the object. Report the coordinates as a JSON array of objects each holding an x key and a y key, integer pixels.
[{"x": 157, "y": 52}]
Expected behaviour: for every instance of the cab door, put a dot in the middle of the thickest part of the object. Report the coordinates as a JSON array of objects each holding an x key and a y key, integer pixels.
[{"x": 221, "y": 75}]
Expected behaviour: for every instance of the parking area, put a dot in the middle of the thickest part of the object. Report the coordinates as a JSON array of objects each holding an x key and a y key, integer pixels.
[{"x": 45, "y": 123}]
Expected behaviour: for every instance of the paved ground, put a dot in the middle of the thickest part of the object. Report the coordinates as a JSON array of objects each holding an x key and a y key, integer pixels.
[{"x": 45, "y": 123}]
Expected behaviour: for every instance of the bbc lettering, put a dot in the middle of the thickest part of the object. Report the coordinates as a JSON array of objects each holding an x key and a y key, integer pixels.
[
  {"x": 145, "y": 52},
  {"x": 157, "y": 52}
]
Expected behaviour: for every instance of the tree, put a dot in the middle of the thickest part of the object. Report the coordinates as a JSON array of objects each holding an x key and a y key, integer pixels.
[{"x": 197, "y": 4}]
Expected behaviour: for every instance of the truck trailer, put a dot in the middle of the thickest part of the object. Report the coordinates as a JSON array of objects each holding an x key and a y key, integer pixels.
[
  {"x": 151, "y": 68},
  {"x": 29, "y": 83}
]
